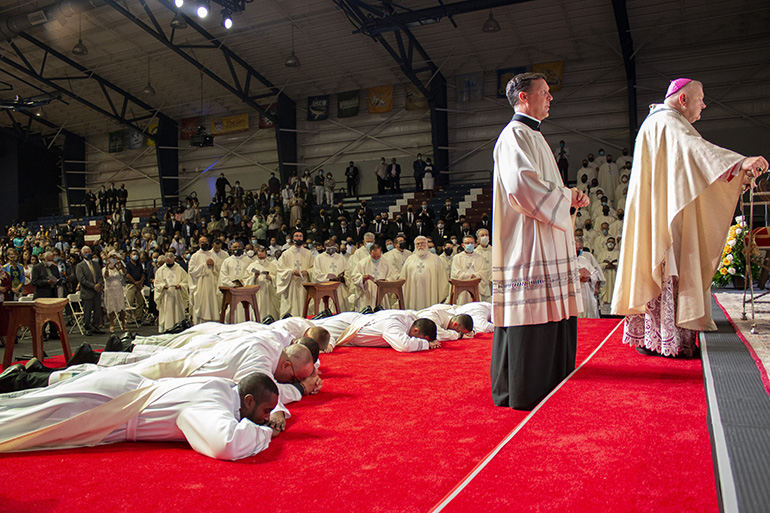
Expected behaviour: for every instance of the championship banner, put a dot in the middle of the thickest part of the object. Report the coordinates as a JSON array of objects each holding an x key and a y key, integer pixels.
[
  {"x": 189, "y": 126},
  {"x": 117, "y": 140},
  {"x": 413, "y": 98},
  {"x": 230, "y": 125},
  {"x": 318, "y": 108},
  {"x": 264, "y": 121},
  {"x": 152, "y": 129},
  {"x": 552, "y": 72},
  {"x": 347, "y": 104},
  {"x": 380, "y": 99},
  {"x": 504, "y": 76},
  {"x": 470, "y": 87},
  {"x": 135, "y": 139}
]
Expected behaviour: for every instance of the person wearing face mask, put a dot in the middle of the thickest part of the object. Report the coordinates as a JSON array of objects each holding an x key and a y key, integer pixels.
[
  {"x": 364, "y": 276},
  {"x": 233, "y": 272},
  {"x": 381, "y": 172},
  {"x": 426, "y": 278},
  {"x": 398, "y": 255},
  {"x": 621, "y": 191},
  {"x": 447, "y": 255},
  {"x": 362, "y": 252},
  {"x": 608, "y": 260},
  {"x": 485, "y": 223},
  {"x": 91, "y": 280},
  {"x": 294, "y": 267},
  {"x": 448, "y": 214},
  {"x": 616, "y": 227},
  {"x": 468, "y": 265},
  {"x": 263, "y": 271},
  {"x": 608, "y": 175},
  {"x": 114, "y": 297},
  {"x": 440, "y": 235},
  {"x": 607, "y": 216},
  {"x": 171, "y": 292},
  {"x": 624, "y": 159},
  {"x": 329, "y": 265},
  {"x": 205, "y": 297},
  {"x": 591, "y": 279},
  {"x": 586, "y": 168},
  {"x": 484, "y": 249}
]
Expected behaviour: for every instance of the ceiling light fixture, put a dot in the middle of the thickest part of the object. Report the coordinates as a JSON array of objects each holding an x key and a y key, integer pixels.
[
  {"x": 39, "y": 113},
  {"x": 203, "y": 8},
  {"x": 178, "y": 22},
  {"x": 491, "y": 25},
  {"x": 80, "y": 48},
  {"x": 179, "y": 3},
  {"x": 227, "y": 19},
  {"x": 148, "y": 89},
  {"x": 292, "y": 61}
]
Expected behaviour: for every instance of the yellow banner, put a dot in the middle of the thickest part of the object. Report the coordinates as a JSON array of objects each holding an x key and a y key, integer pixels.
[
  {"x": 552, "y": 72},
  {"x": 413, "y": 98},
  {"x": 230, "y": 125},
  {"x": 152, "y": 129},
  {"x": 380, "y": 99}
]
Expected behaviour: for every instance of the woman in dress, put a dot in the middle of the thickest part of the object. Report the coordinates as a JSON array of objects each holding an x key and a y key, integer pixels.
[
  {"x": 114, "y": 297},
  {"x": 428, "y": 180},
  {"x": 28, "y": 261}
]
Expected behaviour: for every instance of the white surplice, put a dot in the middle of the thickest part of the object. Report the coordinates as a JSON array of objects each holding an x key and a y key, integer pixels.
[
  {"x": 234, "y": 268},
  {"x": 588, "y": 288},
  {"x": 172, "y": 302},
  {"x": 466, "y": 266},
  {"x": 426, "y": 281},
  {"x": 387, "y": 328},
  {"x": 365, "y": 293},
  {"x": 264, "y": 273},
  {"x": 288, "y": 286},
  {"x": 205, "y": 297},
  {"x": 328, "y": 267}
]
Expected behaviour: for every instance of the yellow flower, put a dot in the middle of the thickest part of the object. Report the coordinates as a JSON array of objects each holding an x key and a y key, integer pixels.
[
  {"x": 726, "y": 261},
  {"x": 723, "y": 271},
  {"x": 728, "y": 250}
]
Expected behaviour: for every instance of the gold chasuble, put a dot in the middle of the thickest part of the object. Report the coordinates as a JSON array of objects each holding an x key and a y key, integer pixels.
[{"x": 677, "y": 217}]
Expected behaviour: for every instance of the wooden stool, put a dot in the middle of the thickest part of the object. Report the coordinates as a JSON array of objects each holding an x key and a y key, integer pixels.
[
  {"x": 34, "y": 315},
  {"x": 390, "y": 287},
  {"x": 234, "y": 296},
  {"x": 460, "y": 286},
  {"x": 321, "y": 292}
]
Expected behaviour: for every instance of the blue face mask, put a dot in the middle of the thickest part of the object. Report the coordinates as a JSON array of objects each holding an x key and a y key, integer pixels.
[
  {"x": 469, "y": 248},
  {"x": 579, "y": 252},
  {"x": 390, "y": 247},
  {"x": 368, "y": 245},
  {"x": 433, "y": 250}
]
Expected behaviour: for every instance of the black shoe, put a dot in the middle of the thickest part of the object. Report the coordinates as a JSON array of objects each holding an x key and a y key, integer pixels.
[
  {"x": 118, "y": 345},
  {"x": 34, "y": 365},
  {"x": 323, "y": 314},
  {"x": 8, "y": 377},
  {"x": 286, "y": 316},
  {"x": 378, "y": 308},
  {"x": 128, "y": 337},
  {"x": 647, "y": 352},
  {"x": 84, "y": 354},
  {"x": 367, "y": 310},
  {"x": 268, "y": 320}
]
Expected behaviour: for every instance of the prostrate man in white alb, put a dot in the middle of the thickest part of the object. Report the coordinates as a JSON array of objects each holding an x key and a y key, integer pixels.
[
  {"x": 233, "y": 272},
  {"x": 536, "y": 287},
  {"x": 591, "y": 277},
  {"x": 217, "y": 417},
  {"x": 171, "y": 293},
  {"x": 426, "y": 279},
  {"x": 294, "y": 268},
  {"x": 263, "y": 272},
  {"x": 365, "y": 275},
  {"x": 399, "y": 329},
  {"x": 331, "y": 266},
  {"x": 669, "y": 255},
  {"x": 449, "y": 326},
  {"x": 203, "y": 271},
  {"x": 468, "y": 265}
]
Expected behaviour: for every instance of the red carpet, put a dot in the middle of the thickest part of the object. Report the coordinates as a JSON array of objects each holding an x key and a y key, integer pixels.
[
  {"x": 389, "y": 432},
  {"x": 626, "y": 433}
]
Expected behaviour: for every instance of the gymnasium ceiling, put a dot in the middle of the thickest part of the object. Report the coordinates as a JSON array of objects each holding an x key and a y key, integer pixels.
[{"x": 334, "y": 58}]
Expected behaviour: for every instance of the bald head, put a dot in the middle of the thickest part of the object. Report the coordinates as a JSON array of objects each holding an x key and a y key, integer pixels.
[
  {"x": 320, "y": 335},
  {"x": 311, "y": 344},
  {"x": 295, "y": 364}
]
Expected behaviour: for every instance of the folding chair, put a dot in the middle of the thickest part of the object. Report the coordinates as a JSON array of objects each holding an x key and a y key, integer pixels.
[
  {"x": 29, "y": 298},
  {"x": 76, "y": 310}
]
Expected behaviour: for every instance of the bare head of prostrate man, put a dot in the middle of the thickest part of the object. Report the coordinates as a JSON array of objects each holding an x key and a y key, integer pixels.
[
  {"x": 462, "y": 324},
  {"x": 259, "y": 395},
  {"x": 295, "y": 364},
  {"x": 311, "y": 344},
  {"x": 320, "y": 335},
  {"x": 425, "y": 329}
]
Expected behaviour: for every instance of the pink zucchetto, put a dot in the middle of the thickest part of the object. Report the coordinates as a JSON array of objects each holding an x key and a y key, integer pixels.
[{"x": 676, "y": 85}]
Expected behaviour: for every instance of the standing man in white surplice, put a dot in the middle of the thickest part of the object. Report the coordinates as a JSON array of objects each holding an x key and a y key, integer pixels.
[{"x": 536, "y": 287}]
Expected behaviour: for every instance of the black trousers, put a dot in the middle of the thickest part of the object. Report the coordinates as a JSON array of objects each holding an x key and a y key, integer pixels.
[
  {"x": 352, "y": 187},
  {"x": 93, "y": 307},
  {"x": 530, "y": 361}
]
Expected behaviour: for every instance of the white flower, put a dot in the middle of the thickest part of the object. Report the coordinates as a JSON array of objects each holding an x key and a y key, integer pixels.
[
  {"x": 739, "y": 219},
  {"x": 738, "y": 231},
  {"x": 731, "y": 270},
  {"x": 730, "y": 257},
  {"x": 731, "y": 242}
]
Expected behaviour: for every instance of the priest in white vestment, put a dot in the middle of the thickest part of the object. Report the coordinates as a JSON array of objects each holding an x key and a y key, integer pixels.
[
  {"x": 591, "y": 276},
  {"x": 217, "y": 247},
  {"x": 608, "y": 257},
  {"x": 468, "y": 265},
  {"x": 398, "y": 255},
  {"x": 365, "y": 275},
  {"x": 203, "y": 271},
  {"x": 233, "y": 273},
  {"x": 608, "y": 176},
  {"x": 171, "y": 293},
  {"x": 681, "y": 199},
  {"x": 484, "y": 249},
  {"x": 294, "y": 268},
  {"x": 399, "y": 329},
  {"x": 426, "y": 278},
  {"x": 263, "y": 271},
  {"x": 331, "y": 266},
  {"x": 535, "y": 282},
  {"x": 362, "y": 252}
]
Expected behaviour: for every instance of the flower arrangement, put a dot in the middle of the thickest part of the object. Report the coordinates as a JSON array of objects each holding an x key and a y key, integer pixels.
[{"x": 733, "y": 261}]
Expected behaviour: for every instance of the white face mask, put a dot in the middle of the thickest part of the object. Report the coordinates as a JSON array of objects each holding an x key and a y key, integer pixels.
[{"x": 484, "y": 240}]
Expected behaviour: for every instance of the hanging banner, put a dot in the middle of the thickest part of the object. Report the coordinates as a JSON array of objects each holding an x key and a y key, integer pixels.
[
  {"x": 230, "y": 125},
  {"x": 347, "y": 104},
  {"x": 413, "y": 98},
  {"x": 189, "y": 126},
  {"x": 504, "y": 76},
  {"x": 380, "y": 99},
  {"x": 117, "y": 140},
  {"x": 152, "y": 129},
  {"x": 264, "y": 121},
  {"x": 552, "y": 72},
  {"x": 470, "y": 87},
  {"x": 318, "y": 108},
  {"x": 135, "y": 139}
]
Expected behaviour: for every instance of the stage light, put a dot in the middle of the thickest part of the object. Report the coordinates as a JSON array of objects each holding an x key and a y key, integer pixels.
[
  {"x": 227, "y": 19},
  {"x": 203, "y": 8},
  {"x": 179, "y": 3}
]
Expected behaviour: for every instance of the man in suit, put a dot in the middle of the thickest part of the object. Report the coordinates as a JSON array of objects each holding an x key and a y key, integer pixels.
[
  {"x": 351, "y": 173},
  {"x": 89, "y": 275},
  {"x": 448, "y": 214},
  {"x": 394, "y": 176},
  {"x": 90, "y": 203},
  {"x": 378, "y": 228},
  {"x": 419, "y": 171},
  {"x": 103, "y": 201},
  {"x": 124, "y": 221},
  {"x": 398, "y": 227},
  {"x": 427, "y": 215},
  {"x": 440, "y": 234},
  {"x": 343, "y": 230},
  {"x": 339, "y": 211},
  {"x": 45, "y": 278},
  {"x": 173, "y": 226},
  {"x": 484, "y": 224},
  {"x": 410, "y": 217},
  {"x": 359, "y": 230},
  {"x": 122, "y": 194}
]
